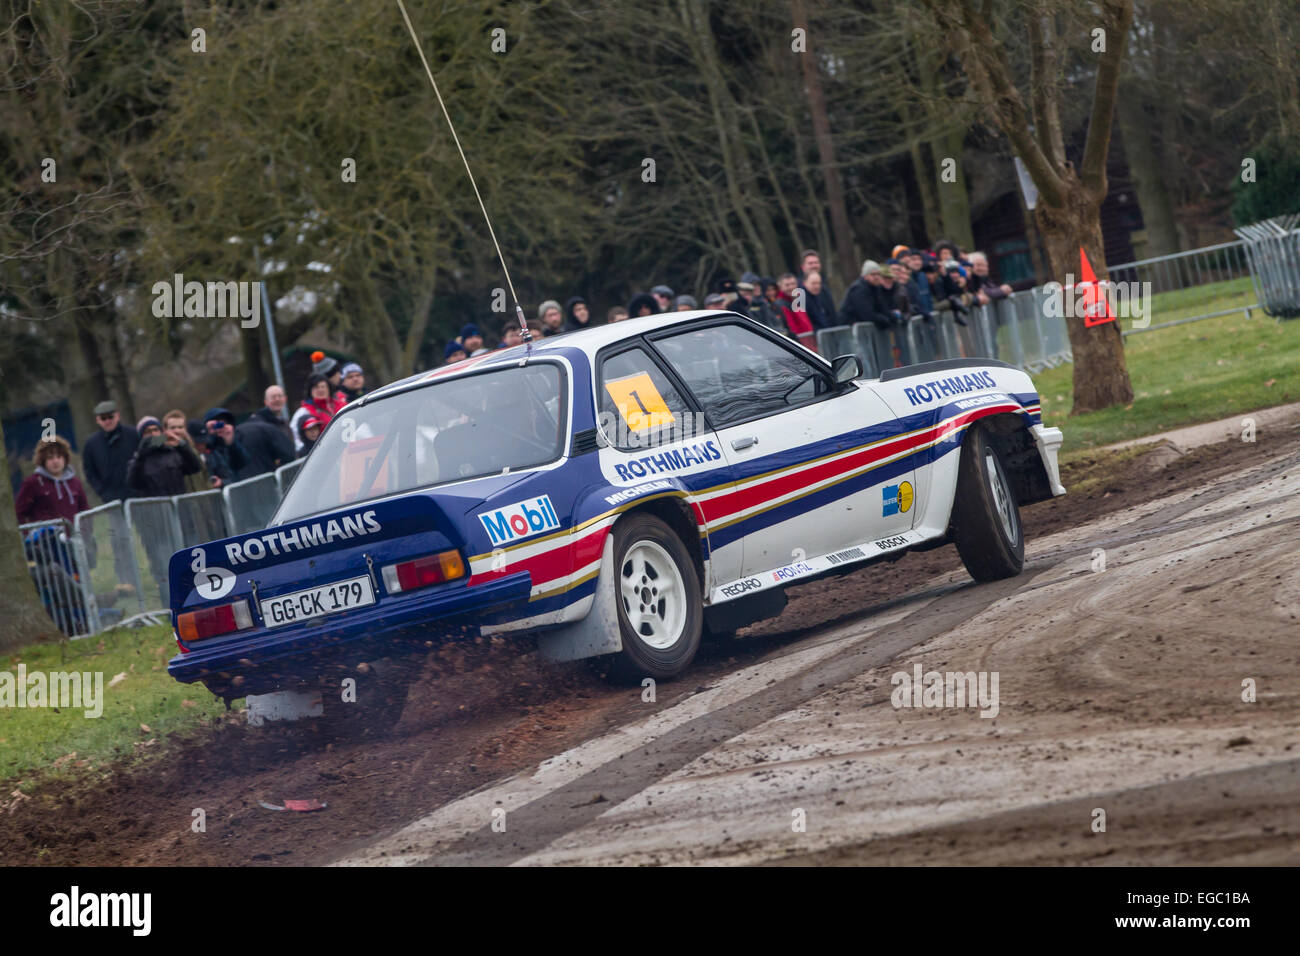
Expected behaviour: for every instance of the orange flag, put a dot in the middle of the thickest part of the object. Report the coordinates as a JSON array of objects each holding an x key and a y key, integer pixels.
[{"x": 1096, "y": 307}]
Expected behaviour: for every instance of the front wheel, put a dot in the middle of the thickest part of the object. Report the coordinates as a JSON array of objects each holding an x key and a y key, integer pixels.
[
  {"x": 986, "y": 519},
  {"x": 660, "y": 610}
]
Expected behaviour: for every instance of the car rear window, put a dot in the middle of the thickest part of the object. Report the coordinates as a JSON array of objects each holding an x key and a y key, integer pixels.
[{"x": 466, "y": 427}]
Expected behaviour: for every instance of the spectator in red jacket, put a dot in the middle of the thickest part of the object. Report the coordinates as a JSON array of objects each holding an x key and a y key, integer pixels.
[
  {"x": 53, "y": 490},
  {"x": 321, "y": 402},
  {"x": 793, "y": 308}
]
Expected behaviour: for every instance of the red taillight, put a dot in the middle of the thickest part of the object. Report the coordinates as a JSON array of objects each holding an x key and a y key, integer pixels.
[
  {"x": 421, "y": 572},
  {"x": 212, "y": 621}
]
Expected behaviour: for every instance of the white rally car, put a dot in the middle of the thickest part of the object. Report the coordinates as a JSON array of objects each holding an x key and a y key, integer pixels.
[{"x": 622, "y": 490}]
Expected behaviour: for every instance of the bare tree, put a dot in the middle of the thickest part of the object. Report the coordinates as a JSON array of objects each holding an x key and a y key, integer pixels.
[{"x": 1069, "y": 206}]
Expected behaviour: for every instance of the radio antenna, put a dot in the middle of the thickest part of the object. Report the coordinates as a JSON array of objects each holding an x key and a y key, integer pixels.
[{"x": 524, "y": 332}]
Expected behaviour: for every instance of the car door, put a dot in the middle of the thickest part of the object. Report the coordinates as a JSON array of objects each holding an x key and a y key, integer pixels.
[
  {"x": 658, "y": 441},
  {"x": 819, "y": 468}
]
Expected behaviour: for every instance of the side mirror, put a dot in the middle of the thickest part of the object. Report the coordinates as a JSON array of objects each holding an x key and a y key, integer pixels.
[{"x": 845, "y": 368}]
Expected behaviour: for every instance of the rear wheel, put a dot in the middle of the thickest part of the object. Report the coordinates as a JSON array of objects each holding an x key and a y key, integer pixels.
[
  {"x": 660, "y": 610},
  {"x": 374, "y": 705},
  {"x": 986, "y": 518}
]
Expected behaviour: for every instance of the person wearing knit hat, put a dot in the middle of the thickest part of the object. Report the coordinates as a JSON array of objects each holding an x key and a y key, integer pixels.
[
  {"x": 453, "y": 353},
  {"x": 159, "y": 466},
  {"x": 472, "y": 339},
  {"x": 551, "y": 316},
  {"x": 322, "y": 364},
  {"x": 900, "y": 252},
  {"x": 353, "y": 383},
  {"x": 685, "y": 303}
]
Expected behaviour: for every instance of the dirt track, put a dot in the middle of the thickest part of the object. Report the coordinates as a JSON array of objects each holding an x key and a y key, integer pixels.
[{"x": 1119, "y": 690}]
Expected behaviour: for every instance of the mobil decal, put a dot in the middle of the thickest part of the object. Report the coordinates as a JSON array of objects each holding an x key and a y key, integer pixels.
[{"x": 520, "y": 520}]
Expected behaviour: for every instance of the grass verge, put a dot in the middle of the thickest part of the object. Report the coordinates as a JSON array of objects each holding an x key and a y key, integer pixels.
[
  {"x": 142, "y": 706},
  {"x": 1184, "y": 375}
]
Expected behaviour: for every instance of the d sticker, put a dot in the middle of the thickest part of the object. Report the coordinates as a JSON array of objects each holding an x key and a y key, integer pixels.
[
  {"x": 639, "y": 402},
  {"x": 213, "y": 583}
]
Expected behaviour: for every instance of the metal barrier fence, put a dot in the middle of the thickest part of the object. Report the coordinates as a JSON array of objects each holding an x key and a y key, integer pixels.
[
  {"x": 156, "y": 531},
  {"x": 57, "y": 561},
  {"x": 112, "y": 565},
  {"x": 1015, "y": 330},
  {"x": 1272, "y": 247},
  {"x": 251, "y": 502},
  {"x": 1185, "y": 270},
  {"x": 1019, "y": 330}
]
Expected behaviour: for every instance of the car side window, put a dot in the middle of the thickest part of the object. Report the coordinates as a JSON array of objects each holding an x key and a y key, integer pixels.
[
  {"x": 737, "y": 374},
  {"x": 638, "y": 404}
]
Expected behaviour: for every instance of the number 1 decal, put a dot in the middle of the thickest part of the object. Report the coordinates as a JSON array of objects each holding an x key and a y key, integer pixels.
[{"x": 639, "y": 402}]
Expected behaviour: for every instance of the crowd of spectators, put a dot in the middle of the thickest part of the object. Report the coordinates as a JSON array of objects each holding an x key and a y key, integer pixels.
[
  {"x": 176, "y": 454},
  {"x": 910, "y": 282}
]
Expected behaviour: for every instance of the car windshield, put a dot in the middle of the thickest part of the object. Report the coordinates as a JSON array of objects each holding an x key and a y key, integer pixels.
[{"x": 467, "y": 427}]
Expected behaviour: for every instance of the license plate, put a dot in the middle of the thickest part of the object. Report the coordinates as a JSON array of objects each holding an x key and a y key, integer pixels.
[{"x": 318, "y": 601}]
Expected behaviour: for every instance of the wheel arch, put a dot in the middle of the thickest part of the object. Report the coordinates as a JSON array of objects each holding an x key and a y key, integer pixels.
[
  {"x": 1021, "y": 456},
  {"x": 674, "y": 511}
]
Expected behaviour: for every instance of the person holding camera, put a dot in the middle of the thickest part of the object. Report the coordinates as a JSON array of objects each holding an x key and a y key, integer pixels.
[
  {"x": 160, "y": 463},
  {"x": 226, "y": 454}
]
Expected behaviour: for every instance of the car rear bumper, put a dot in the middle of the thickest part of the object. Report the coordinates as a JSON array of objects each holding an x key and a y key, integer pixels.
[{"x": 268, "y": 659}]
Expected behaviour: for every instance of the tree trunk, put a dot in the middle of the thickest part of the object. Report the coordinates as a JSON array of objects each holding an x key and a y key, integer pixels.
[
  {"x": 420, "y": 322},
  {"x": 1034, "y": 240},
  {"x": 925, "y": 185},
  {"x": 1100, "y": 371},
  {"x": 1150, "y": 176},
  {"x": 954, "y": 198},
  {"x": 25, "y": 620},
  {"x": 843, "y": 254},
  {"x": 255, "y": 377}
]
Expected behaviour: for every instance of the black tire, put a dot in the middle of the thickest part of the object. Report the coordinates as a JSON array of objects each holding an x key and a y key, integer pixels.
[
  {"x": 380, "y": 699},
  {"x": 990, "y": 539},
  {"x": 659, "y": 639}
]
